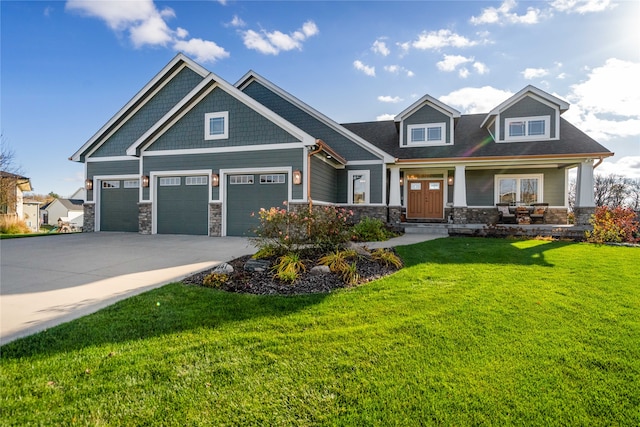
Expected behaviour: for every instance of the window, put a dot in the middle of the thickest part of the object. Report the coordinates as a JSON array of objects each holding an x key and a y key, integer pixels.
[
  {"x": 526, "y": 189},
  {"x": 528, "y": 128},
  {"x": 170, "y": 181},
  {"x": 132, "y": 183},
  {"x": 272, "y": 179},
  {"x": 216, "y": 125},
  {"x": 427, "y": 134},
  {"x": 110, "y": 184},
  {"x": 196, "y": 180},
  {"x": 359, "y": 187},
  {"x": 241, "y": 179}
]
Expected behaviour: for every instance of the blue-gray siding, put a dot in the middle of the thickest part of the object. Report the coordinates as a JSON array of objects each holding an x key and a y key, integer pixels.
[
  {"x": 324, "y": 181},
  {"x": 246, "y": 126},
  {"x": 149, "y": 114},
  {"x": 375, "y": 175},
  {"x": 528, "y": 107},
  {"x": 481, "y": 185},
  {"x": 426, "y": 115},
  {"x": 343, "y": 145}
]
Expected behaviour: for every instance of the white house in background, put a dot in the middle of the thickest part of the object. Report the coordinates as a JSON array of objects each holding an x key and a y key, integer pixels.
[
  {"x": 70, "y": 210},
  {"x": 80, "y": 194}
]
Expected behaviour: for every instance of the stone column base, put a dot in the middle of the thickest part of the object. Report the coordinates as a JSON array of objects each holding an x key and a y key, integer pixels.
[
  {"x": 89, "y": 219},
  {"x": 215, "y": 219},
  {"x": 144, "y": 218},
  {"x": 394, "y": 215},
  {"x": 460, "y": 215},
  {"x": 583, "y": 215}
]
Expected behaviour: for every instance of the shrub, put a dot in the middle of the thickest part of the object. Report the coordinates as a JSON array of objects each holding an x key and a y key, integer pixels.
[
  {"x": 387, "y": 258},
  {"x": 13, "y": 225},
  {"x": 615, "y": 225},
  {"x": 371, "y": 230},
  {"x": 215, "y": 280},
  {"x": 288, "y": 267},
  {"x": 337, "y": 261},
  {"x": 287, "y": 231},
  {"x": 350, "y": 274}
]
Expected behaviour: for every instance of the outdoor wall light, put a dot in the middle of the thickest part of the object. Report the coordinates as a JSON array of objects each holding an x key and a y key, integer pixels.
[
  {"x": 88, "y": 184},
  {"x": 215, "y": 180},
  {"x": 297, "y": 177},
  {"x": 145, "y": 181},
  {"x": 450, "y": 180}
]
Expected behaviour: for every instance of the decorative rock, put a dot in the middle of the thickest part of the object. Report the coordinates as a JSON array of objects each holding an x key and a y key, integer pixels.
[
  {"x": 359, "y": 250},
  {"x": 223, "y": 268},
  {"x": 257, "y": 265},
  {"x": 319, "y": 270}
]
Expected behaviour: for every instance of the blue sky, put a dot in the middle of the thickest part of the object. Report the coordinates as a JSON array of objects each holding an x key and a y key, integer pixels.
[{"x": 68, "y": 67}]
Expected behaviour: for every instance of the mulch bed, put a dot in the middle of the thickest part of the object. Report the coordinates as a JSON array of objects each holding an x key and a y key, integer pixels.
[{"x": 264, "y": 283}]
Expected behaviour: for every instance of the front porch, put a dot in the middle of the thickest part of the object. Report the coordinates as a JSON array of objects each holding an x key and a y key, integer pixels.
[{"x": 556, "y": 231}]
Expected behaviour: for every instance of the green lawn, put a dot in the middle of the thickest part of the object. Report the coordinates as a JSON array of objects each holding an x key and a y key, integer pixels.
[{"x": 471, "y": 332}]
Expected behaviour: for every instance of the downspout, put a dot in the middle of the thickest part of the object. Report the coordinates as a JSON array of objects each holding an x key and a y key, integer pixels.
[
  {"x": 309, "y": 155},
  {"x": 600, "y": 160}
]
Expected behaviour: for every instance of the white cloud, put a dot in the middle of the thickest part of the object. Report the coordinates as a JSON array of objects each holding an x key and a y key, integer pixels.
[
  {"x": 201, "y": 50},
  {"x": 439, "y": 39},
  {"x": 451, "y": 62},
  {"x": 472, "y": 100},
  {"x": 380, "y": 47},
  {"x": 272, "y": 43},
  {"x": 561, "y": 76},
  {"x": 628, "y": 166},
  {"x": 146, "y": 25},
  {"x": 534, "y": 73},
  {"x": 582, "y": 6},
  {"x": 396, "y": 69},
  {"x": 503, "y": 15},
  {"x": 410, "y": 73},
  {"x": 368, "y": 70},
  {"x": 607, "y": 104},
  {"x": 480, "y": 68},
  {"x": 391, "y": 99},
  {"x": 463, "y": 73},
  {"x": 383, "y": 117},
  {"x": 237, "y": 22}
]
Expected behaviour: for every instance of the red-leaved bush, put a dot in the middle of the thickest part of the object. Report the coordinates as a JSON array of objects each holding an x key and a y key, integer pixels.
[{"x": 615, "y": 225}]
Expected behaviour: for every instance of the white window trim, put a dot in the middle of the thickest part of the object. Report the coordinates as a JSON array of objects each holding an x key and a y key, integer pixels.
[
  {"x": 224, "y": 134},
  {"x": 367, "y": 194},
  {"x": 426, "y": 142},
  {"x": 526, "y": 136},
  {"x": 538, "y": 176}
]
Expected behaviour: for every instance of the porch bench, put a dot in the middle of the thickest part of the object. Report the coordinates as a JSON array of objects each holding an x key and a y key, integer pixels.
[
  {"x": 505, "y": 216},
  {"x": 539, "y": 211}
]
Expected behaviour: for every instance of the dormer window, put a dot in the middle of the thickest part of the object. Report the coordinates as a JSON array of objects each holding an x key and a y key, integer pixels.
[
  {"x": 427, "y": 134},
  {"x": 527, "y": 128},
  {"x": 216, "y": 125}
]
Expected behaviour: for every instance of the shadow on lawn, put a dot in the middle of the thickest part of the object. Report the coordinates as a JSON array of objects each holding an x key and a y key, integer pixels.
[
  {"x": 475, "y": 250},
  {"x": 167, "y": 310}
]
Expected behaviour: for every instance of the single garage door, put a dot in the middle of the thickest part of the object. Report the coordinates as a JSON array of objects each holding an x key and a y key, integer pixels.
[
  {"x": 119, "y": 205},
  {"x": 183, "y": 205},
  {"x": 249, "y": 193}
]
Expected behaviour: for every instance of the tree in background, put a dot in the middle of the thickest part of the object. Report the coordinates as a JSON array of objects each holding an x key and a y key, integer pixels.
[
  {"x": 612, "y": 190},
  {"x": 9, "y": 173}
]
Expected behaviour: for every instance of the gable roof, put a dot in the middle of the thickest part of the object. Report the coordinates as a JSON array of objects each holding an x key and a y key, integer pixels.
[
  {"x": 142, "y": 97},
  {"x": 427, "y": 99},
  {"x": 474, "y": 142},
  {"x": 529, "y": 90},
  {"x": 22, "y": 182},
  {"x": 251, "y": 76},
  {"x": 68, "y": 204},
  {"x": 208, "y": 84}
]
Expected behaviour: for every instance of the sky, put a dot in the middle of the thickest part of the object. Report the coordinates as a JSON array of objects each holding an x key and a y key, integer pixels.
[{"x": 66, "y": 67}]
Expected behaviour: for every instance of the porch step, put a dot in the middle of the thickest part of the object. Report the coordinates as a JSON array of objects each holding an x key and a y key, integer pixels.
[{"x": 438, "y": 229}]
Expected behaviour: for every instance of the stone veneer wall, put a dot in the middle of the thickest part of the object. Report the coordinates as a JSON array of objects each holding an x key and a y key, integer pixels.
[
  {"x": 583, "y": 215},
  {"x": 144, "y": 218},
  {"x": 89, "y": 220},
  {"x": 215, "y": 219},
  {"x": 490, "y": 216}
]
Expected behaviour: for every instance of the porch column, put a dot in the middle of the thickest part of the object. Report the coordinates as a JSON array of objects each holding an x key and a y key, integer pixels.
[
  {"x": 394, "y": 187},
  {"x": 460, "y": 188},
  {"x": 584, "y": 185},
  {"x": 585, "y": 201}
]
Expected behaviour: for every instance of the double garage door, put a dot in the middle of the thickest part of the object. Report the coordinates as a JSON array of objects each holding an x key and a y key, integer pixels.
[{"x": 182, "y": 203}]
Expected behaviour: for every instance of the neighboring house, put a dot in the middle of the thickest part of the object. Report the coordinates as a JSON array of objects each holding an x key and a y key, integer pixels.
[
  {"x": 69, "y": 210},
  {"x": 31, "y": 212},
  {"x": 193, "y": 154},
  {"x": 12, "y": 189}
]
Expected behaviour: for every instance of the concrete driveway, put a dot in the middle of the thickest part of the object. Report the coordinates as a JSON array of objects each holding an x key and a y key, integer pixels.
[{"x": 45, "y": 281}]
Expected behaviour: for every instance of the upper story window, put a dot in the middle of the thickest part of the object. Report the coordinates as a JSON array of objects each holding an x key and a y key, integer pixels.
[
  {"x": 216, "y": 125},
  {"x": 427, "y": 134},
  {"x": 527, "y": 128}
]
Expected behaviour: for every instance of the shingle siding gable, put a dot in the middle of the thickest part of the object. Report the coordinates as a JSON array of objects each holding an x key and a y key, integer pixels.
[
  {"x": 314, "y": 127},
  {"x": 149, "y": 114},
  {"x": 528, "y": 107},
  {"x": 426, "y": 115},
  {"x": 246, "y": 126}
]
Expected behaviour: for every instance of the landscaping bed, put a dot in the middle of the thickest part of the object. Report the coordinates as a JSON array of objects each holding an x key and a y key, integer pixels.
[{"x": 308, "y": 282}]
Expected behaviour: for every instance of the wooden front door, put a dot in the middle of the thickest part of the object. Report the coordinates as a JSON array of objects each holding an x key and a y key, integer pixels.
[{"x": 425, "y": 200}]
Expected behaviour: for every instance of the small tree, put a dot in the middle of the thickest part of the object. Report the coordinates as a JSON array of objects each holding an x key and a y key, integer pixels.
[
  {"x": 9, "y": 172},
  {"x": 615, "y": 225}
]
